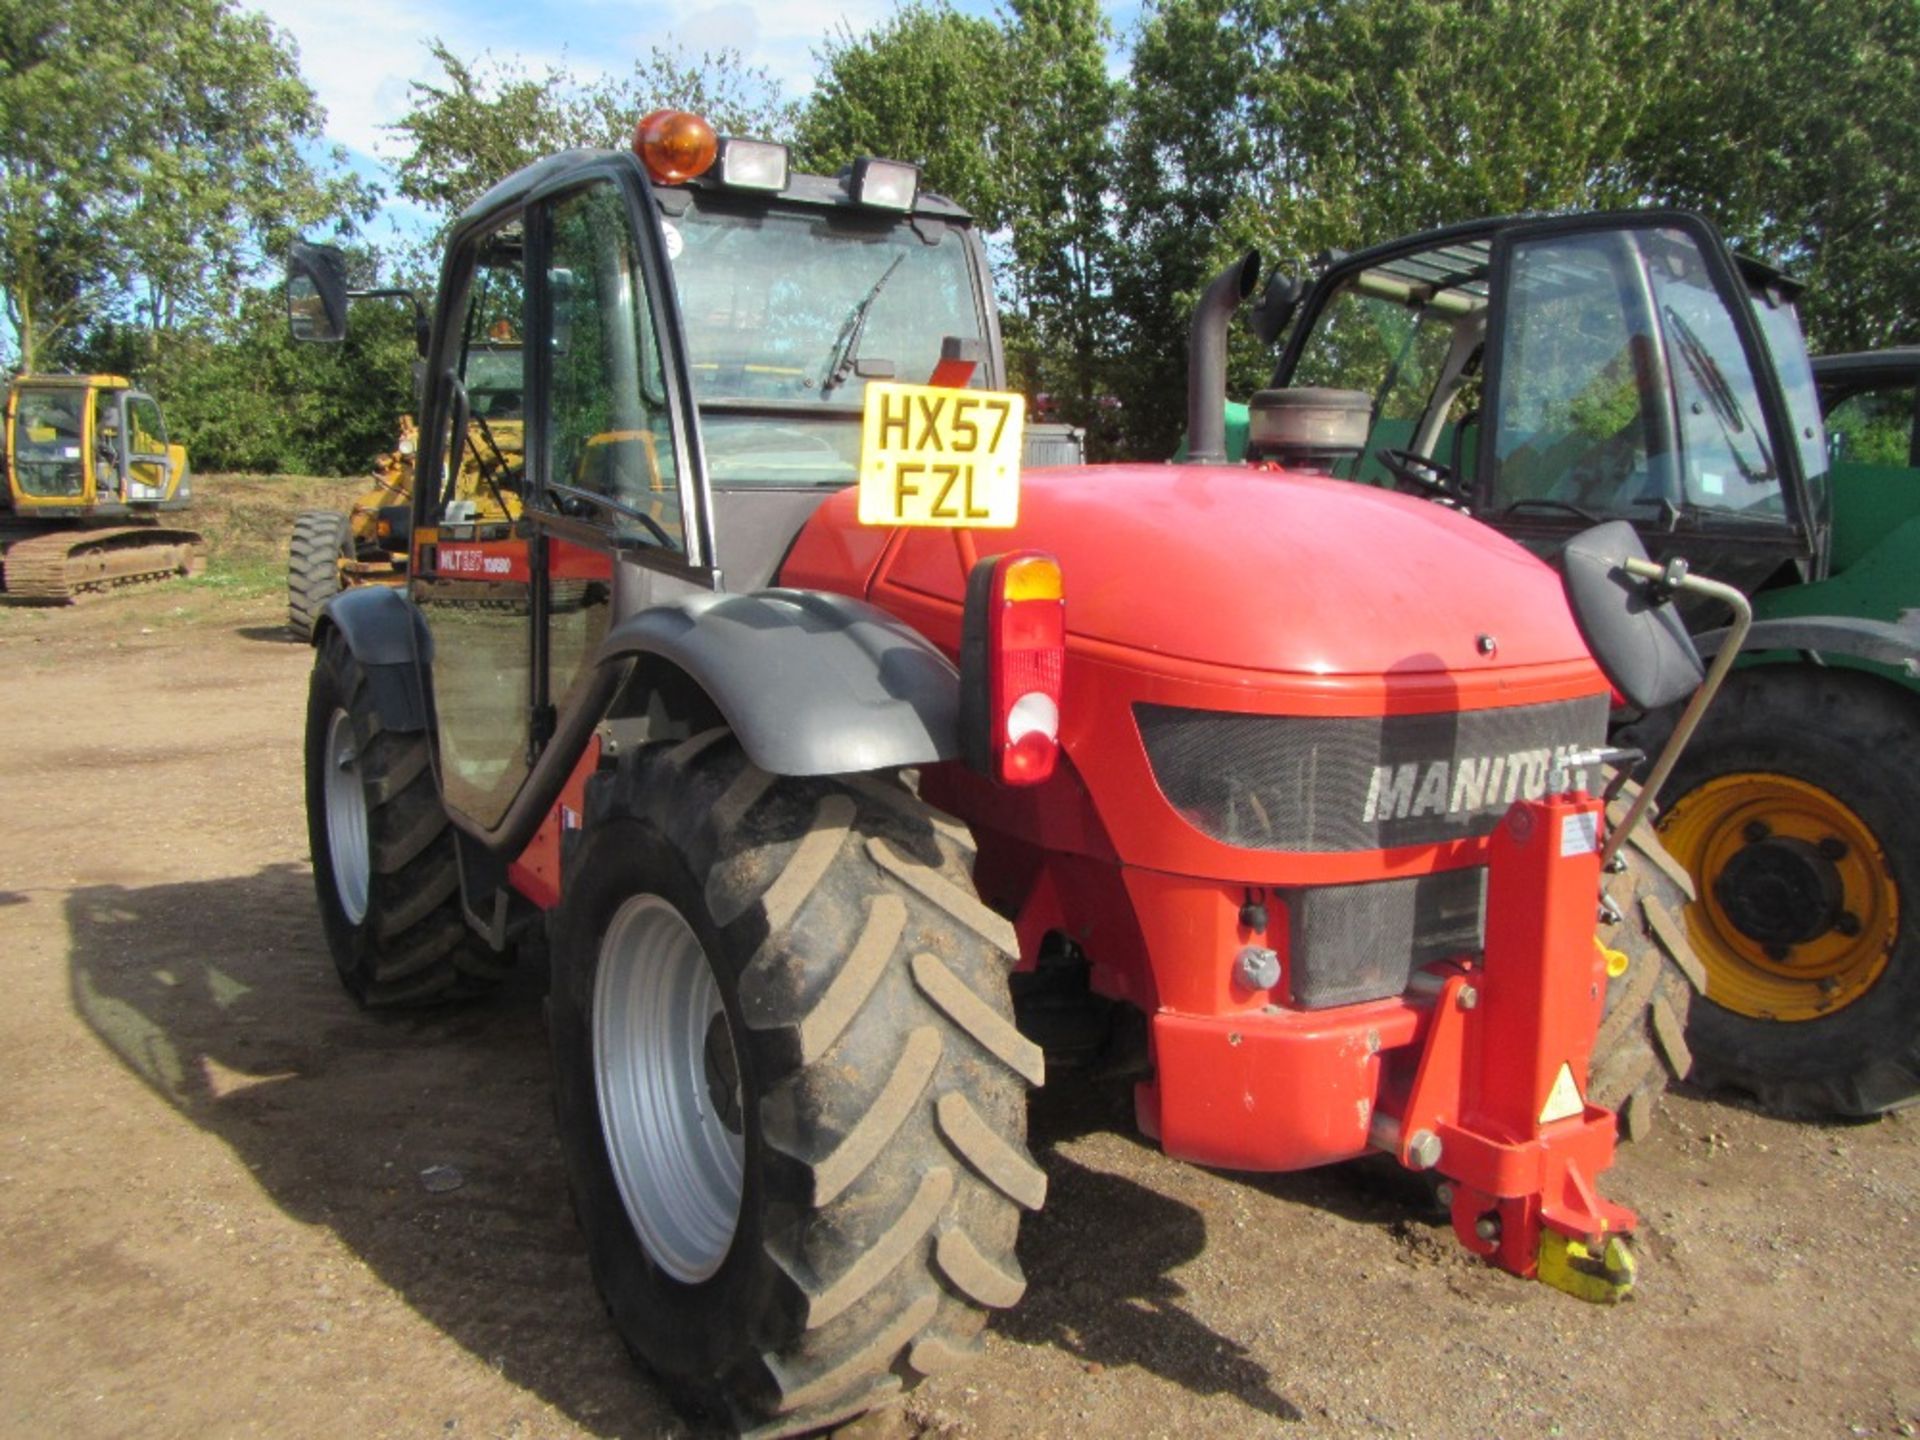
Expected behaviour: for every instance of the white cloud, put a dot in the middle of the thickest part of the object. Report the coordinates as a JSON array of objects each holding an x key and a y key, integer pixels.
[{"x": 360, "y": 55}]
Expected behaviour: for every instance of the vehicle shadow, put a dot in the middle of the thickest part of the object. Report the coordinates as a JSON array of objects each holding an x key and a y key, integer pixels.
[
  {"x": 221, "y": 997},
  {"x": 272, "y": 634},
  {"x": 1099, "y": 1260}
]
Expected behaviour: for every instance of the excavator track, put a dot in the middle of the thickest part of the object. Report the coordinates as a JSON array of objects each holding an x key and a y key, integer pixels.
[{"x": 72, "y": 565}]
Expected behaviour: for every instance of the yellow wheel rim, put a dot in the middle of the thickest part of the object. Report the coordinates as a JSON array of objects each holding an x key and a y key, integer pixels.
[{"x": 1798, "y": 910}]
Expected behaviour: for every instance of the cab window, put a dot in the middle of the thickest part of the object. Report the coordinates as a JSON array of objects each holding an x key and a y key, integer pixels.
[
  {"x": 1873, "y": 427},
  {"x": 484, "y": 468},
  {"x": 609, "y": 434},
  {"x": 1624, "y": 386}
]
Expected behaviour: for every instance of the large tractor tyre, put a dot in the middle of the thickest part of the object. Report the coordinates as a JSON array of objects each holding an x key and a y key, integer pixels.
[
  {"x": 321, "y": 540},
  {"x": 1797, "y": 810},
  {"x": 1653, "y": 980},
  {"x": 790, "y": 1090},
  {"x": 384, "y": 868}
]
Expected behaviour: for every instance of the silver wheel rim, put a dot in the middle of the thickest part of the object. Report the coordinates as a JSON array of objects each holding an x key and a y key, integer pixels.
[
  {"x": 347, "y": 843},
  {"x": 667, "y": 1076}
]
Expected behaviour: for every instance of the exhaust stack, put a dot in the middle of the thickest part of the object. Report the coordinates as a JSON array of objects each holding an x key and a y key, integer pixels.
[{"x": 1207, "y": 359}]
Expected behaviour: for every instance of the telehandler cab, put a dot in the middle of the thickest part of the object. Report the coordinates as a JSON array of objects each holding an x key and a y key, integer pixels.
[{"x": 870, "y": 779}]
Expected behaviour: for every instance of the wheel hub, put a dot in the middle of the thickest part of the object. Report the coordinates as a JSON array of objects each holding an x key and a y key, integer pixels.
[
  {"x": 667, "y": 1075},
  {"x": 1781, "y": 891},
  {"x": 349, "y": 849},
  {"x": 723, "y": 1075},
  {"x": 1798, "y": 909}
]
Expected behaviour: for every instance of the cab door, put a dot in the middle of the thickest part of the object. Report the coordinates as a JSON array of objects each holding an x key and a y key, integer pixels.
[
  {"x": 146, "y": 470},
  {"x": 560, "y": 468}
]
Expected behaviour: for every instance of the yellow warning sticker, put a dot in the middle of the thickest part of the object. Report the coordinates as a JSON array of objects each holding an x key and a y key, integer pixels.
[{"x": 1563, "y": 1101}]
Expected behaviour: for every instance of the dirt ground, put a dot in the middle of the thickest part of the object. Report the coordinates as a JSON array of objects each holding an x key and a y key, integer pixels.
[{"x": 231, "y": 1204}]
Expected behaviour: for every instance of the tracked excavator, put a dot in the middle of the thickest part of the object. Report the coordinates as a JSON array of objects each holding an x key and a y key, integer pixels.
[{"x": 92, "y": 482}]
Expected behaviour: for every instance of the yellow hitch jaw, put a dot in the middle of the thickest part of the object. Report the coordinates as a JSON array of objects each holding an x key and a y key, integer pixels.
[{"x": 1571, "y": 1265}]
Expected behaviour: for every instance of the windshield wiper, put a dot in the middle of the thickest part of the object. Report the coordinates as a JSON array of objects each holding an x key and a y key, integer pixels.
[
  {"x": 1557, "y": 507},
  {"x": 1727, "y": 408},
  {"x": 846, "y": 346},
  {"x": 563, "y": 493}
]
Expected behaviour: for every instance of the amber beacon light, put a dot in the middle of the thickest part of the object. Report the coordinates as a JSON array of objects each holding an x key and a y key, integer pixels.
[{"x": 675, "y": 145}]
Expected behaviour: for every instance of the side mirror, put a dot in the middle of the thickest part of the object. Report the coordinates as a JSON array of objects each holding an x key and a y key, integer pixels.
[
  {"x": 1621, "y": 603},
  {"x": 1634, "y": 633},
  {"x": 317, "y": 293},
  {"x": 1273, "y": 311}
]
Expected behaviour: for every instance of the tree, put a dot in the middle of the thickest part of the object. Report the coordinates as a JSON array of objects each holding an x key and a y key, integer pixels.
[
  {"x": 1014, "y": 122},
  {"x": 154, "y": 151},
  {"x": 1795, "y": 125},
  {"x": 1295, "y": 126},
  {"x": 485, "y": 118},
  {"x": 929, "y": 85},
  {"x": 1060, "y": 160}
]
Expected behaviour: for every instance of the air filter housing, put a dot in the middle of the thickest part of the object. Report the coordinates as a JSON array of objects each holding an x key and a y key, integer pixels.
[{"x": 1309, "y": 429}]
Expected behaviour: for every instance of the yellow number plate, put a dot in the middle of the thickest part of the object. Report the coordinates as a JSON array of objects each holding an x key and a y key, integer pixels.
[{"x": 930, "y": 456}]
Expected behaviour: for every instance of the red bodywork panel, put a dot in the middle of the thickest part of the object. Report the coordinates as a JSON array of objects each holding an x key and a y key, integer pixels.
[
  {"x": 1254, "y": 592},
  {"x": 1262, "y": 593}
]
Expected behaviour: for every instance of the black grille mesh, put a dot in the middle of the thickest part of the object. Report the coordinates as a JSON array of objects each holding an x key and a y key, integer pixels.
[
  {"x": 1343, "y": 783},
  {"x": 1349, "y": 943}
]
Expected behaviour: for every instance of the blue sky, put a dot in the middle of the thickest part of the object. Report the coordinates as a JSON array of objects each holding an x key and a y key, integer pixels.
[{"x": 359, "y": 55}]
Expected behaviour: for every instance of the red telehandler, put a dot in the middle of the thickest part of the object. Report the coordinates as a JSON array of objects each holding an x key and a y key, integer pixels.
[{"x": 863, "y": 778}]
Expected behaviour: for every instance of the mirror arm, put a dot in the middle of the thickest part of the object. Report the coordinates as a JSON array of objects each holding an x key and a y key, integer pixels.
[{"x": 1671, "y": 577}]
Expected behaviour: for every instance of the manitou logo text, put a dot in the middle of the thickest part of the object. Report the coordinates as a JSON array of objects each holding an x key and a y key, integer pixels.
[{"x": 1461, "y": 787}]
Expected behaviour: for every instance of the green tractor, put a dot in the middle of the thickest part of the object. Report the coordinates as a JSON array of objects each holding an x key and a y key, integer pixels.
[{"x": 1545, "y": 377}]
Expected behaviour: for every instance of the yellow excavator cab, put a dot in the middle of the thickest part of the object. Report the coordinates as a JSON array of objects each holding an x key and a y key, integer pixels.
[{"x": 90, "y": 472}]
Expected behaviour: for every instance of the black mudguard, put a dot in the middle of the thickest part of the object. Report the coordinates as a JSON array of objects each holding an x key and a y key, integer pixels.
[
  {"x": 1881, "y": 642},
  {"x": 812, "y": 683},
  {"x": 388, "y": 636}
]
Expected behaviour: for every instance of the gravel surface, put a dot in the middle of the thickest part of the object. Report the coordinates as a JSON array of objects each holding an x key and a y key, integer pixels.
[{"x": 235, "y": 1205}]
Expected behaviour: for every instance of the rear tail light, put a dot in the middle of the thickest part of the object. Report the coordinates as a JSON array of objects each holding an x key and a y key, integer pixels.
[{"x": 1013, "y": 660}]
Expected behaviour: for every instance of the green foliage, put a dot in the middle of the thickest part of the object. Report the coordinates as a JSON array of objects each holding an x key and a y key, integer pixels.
[
  {"x": 248, "y": 398},
  {"x": 928, "y": 85},
  {"x": 483, "y": 119},
  {"x": 150, "y": 152},
  {"x": 1296, "y": 125},
  {"x": 1795, "y": 124}
]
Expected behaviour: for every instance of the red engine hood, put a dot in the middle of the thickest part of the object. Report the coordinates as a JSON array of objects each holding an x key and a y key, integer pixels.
[{"x": 1236, "y": 567}]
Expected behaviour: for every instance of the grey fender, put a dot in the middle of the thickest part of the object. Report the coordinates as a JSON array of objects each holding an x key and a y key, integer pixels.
[
  {"x": 1892, "y": 643},
  {"x": 811, "y": 683},
  {"x": 388, "y": 636}
]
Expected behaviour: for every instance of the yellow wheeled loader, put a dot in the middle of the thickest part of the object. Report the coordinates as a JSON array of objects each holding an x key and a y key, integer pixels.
[{"x": 333, "y": 550}]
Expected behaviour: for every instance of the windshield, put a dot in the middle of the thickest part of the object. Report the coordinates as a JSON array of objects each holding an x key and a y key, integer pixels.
[
  {"x": 46, "y": 441},
  {"x": 1624, "y": 387},
  {"x": 495, "y": 375},
  {"x": 789, "y": 312},
  {"x": 1787, "y": 345}
]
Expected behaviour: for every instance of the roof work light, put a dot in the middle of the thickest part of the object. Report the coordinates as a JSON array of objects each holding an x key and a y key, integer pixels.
[
  {"x": 885, "y": 184},
  {"x": 753, "y": 164}
]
